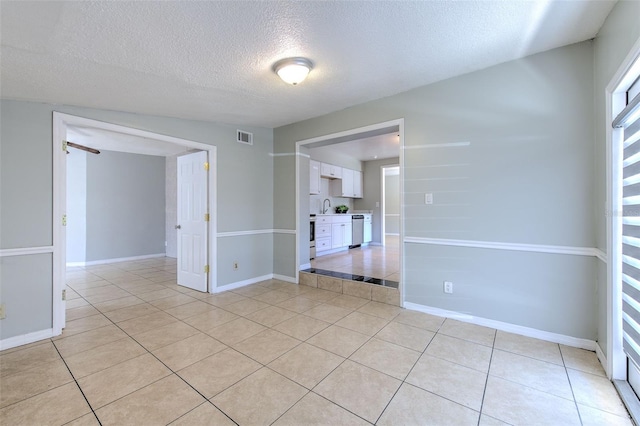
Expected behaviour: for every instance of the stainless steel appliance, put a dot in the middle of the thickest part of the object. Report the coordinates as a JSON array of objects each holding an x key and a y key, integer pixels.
[
  {"x": 312, "y": 237},
  {"x": 357, "y": 230}
]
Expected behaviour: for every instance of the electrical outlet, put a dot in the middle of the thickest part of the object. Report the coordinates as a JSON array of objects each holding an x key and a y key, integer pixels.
[
  {"x": 428, "y": 198},
  {"x": 3, "y": 314},
  {"x": 448, "y": 287},
  {"x": 235, "y": 266}
]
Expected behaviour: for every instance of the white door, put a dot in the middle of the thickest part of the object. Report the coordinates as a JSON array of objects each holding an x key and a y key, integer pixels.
[{"x": 192, "y": 224}]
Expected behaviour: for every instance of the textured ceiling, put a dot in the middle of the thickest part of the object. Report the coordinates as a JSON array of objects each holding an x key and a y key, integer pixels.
[{"x": 211, "y": 60}]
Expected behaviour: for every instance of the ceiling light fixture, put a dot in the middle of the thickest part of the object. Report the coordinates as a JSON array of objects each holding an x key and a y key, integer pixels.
[{"x": 293, "y": 70}]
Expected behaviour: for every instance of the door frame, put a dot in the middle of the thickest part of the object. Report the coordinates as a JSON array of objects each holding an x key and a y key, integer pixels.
[
  {"x": 61, "y": 121},
  {"x": 383, "y": 203},
  {"x": 301, "y": 238}
]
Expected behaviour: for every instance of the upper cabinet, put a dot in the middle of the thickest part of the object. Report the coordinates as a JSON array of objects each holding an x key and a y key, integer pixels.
[
  {"x": 330, "y": 171},
  {"x": 314, "y": 177},
  {"x": 350, "y": 186}
]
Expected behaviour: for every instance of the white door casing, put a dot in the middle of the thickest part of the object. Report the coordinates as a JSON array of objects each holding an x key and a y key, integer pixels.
[{"x": 192, "y": 225}]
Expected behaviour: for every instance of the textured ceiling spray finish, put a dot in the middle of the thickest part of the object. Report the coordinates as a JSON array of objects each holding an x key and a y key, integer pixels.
[{"x": 212, "y": 60}]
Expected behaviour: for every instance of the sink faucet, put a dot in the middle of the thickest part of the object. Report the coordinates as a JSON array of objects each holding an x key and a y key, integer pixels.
[{"x": 323, "y": 209}]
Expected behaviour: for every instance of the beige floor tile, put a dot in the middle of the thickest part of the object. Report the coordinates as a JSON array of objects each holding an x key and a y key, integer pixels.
[
  {"x": 414, "y": 406},
  {"x": 330, "y": 283},
  {"x": 581, "y": 359},
  {"x": 113, "y": 305},
  {"x": 75, "y": 303},
  {"x": 356, "y": 289},
  {"x": 235, "y": 331},
  {"x": 327, "y": 313},
  {"x": 363, "y": 323},
  {"x": 406, "y": 335},
  {"x": 359, "y": 389},
  {"x": 188, "y": 351},
  {"x": 320, "y": 295},
  {"x": 540, "y": 375},
  {"x": 41, "y": 377},
  {"x": 251, "y": 290},
  {"x": 130, "y": 312},
  {"x": 253, "y": 401},
  {"x": 210, "y": 319},
  {"x": 165, "y": 335},
  {"x": 592, "y": 417},
  {"x": 306, "y": 364},
  {"x": 452, "y": 381},
  {"x": 170, "y": 398},
  {"x": 338, "y": 340},
  {"x": 172, "y": 301},
  {"x": 387, "y": 295},
  {"x": 97, "y": 291},
  {"x": 204, "y": 415},
  {"x": 309, "y": 280},
  {"x": 266, "y": 346},
  {"x": 381, "y": 310},
  {"x": 24, "y": 359},
  {"x": 156, "y": 295},
  {"x": 420, "y": 320},
  {"x": 471, "y": 332},
  {"x": 490, "y": 421},
  {"x": 315, "y": 410},
  {"x": 347, "y": 302},
  {"x": 54, "y": 407},
  {"x": 394, "y": 360},
  {"x": 299, "y": 304},
  {"x": 187, "y": 310},
  {"x": 138, "y": 289},
  {"x": 106, "y": 386},
  {"x": 85, "y": 324},
  {"x": 116, "y": 294},
  {"x": 88, "y": 340},
  {"x": 528, "y": 346},
  {"x": 217, "y": 372},
  {"x": 517, "y": 404},
  {"x": 273, "y": 297},
  {"x": 596, "y": 392},
  {"x": 271, "y": 316},
  {"x": 246, "y": 307},
  {"x": 146, "y": 323},
  {"x": 463, "y": 352},
  {"x": 86, "y": 420},
  {"x": 81, "y": 312},
  {"x": 223, "y": 299},
  {"x": 103, "y": 357},
  {"x": 301, "y": 327},
  {"x": 23, "y": 347}
]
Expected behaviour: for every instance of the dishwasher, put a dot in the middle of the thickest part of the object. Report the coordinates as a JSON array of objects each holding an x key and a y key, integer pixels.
[{"x": 357, "y": 230}]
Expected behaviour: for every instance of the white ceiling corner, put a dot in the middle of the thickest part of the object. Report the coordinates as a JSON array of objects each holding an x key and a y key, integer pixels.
[{"x": 211, "y": 60}]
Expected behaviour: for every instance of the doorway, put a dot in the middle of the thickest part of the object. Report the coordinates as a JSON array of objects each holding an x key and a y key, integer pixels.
[{"x": 63, "y": 124}]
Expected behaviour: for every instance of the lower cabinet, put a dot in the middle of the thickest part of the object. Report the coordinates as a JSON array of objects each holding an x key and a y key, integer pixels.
[
  {"x": 368, "y": 229},
  {"x": 335, "y": 232},
  {"x": 341, "y": 235}
]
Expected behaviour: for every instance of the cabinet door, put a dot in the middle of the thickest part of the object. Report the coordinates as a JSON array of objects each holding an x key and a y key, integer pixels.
[
  {"x": 357, "y": 184},
  {"x": 337, "y": 235},
  {"x": 347, "y": 183},
  {"x": 348, "y": 234},
  {"x": 368, "y": 231},
  {"x": 314, "y": 177}
]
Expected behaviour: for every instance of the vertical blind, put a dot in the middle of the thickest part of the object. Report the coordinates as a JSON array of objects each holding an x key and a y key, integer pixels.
[{"x": 629, "y": 120}]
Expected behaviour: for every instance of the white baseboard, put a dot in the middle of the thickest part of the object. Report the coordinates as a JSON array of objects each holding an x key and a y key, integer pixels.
[
  {"x": 602, "y": 358},
  {"x": 116, "y": 260},
  {"x": 285, "y": 278},
  {"x": 25, "y": 339},
  {"x": 505, "y": 326},
  {"x": 238, "y": 284}
]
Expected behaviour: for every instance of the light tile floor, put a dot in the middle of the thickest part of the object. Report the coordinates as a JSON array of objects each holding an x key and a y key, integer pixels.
[
  {"x": 371, "y": 261},
  {"x": 140, "y": 350}
]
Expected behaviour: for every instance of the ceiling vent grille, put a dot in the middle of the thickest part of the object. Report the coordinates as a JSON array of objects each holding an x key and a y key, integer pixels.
[{"x": 245, "y": 137}]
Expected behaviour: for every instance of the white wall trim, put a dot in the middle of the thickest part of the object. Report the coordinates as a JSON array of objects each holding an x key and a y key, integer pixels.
[
  {"x": 255, "y": 232},
  {"x": 25, "y": 251},
  {"x": 285, "y": 278},
  {"x": 289, "y": 154},
  {"x": 117, "y": 260},
  {"x": 601, "y": 255},
  {"x": 25, "y": 339},
  {"x": 243, "y": 283},
  {"x": 577, "y": 251},
  {"x": 601, "y": 357},
  {"x": 505, "y": 326},
  {"x": 439, "y": 145}
]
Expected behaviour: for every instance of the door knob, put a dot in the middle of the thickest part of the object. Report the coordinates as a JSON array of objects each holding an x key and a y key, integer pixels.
[{"x": 178, "y": 227}]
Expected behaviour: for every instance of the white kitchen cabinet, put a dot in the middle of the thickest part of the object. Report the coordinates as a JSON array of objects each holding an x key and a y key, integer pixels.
[
  {"x": 323, "y": 244},
  {"x": 330, "y": 171},
  {"x": 350, "y": 186},
  {"x": 357, "y": 184},
  {"x": 323, "y": 231},
  {"x": 314, "y": 177},
  {"x": 368, "y": 229},
  {"x": 341, "y": 235}
]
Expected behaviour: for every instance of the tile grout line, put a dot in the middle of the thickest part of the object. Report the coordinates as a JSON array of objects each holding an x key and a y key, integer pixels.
[
  {"x": 564, "y": 364},
  {"x": 486, "y": 381}
]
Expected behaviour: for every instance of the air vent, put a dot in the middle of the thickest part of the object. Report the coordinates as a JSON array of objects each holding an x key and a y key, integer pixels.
[{"x": 245, "y": 137}]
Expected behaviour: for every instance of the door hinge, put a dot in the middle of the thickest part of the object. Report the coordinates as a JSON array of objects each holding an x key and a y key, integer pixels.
[
  {"x": 64, "y": 220},
  {"x": 64, "y": 146},
  {"x": 206, "y": 166},
  {"x": 206, "y": 269},
  {"x": 206, "y": 217},
  {"x": 64, "y": 294}
]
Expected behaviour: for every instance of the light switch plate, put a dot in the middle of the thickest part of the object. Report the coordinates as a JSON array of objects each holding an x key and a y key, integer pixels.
[{"x": 428, "y": 198}]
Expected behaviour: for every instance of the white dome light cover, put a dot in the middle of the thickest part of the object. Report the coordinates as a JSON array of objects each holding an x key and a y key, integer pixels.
[{"x": 293, "y": 70}]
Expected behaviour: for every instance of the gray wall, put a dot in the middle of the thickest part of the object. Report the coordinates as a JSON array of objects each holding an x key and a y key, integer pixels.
[
  {"x": 392, "y": 204},
  {"x": 125, "y": 205},
  {"x": 244, "y": 190},
  {"x": 613, "y": 43},
  {"x": 76, "y": 206},
  {"x": 526, "y": 176}
]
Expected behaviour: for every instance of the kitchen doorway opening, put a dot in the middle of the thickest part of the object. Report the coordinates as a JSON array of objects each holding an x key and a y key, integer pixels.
[
  {"x": 352, "y": 156},
  {"x": 115, "y": 140}
]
